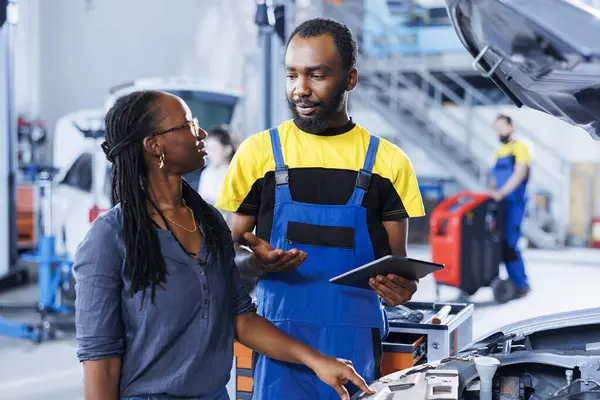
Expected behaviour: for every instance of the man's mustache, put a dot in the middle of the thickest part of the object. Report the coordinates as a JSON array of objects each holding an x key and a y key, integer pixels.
[{"x": 303, "y": 103}]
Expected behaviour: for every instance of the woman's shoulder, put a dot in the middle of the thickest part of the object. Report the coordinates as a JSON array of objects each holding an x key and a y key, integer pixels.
[
  {"x": 111, "y": 220},
  {"x": 106, "y": 229},
  {"x": 102, "y": 250}
]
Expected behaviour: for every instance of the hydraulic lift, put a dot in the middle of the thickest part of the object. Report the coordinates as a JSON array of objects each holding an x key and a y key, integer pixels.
[
  {"x": 53, "y": 271},
  {"x": 10, "y": 274}
]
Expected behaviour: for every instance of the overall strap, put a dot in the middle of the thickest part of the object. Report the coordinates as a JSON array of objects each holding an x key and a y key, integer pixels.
[
  {"x": 282, "y": 187},
  {"x": 363, "y": 179}
]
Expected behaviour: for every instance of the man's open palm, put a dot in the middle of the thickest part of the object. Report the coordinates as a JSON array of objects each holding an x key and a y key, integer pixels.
[{"x": 274, "y": 260}]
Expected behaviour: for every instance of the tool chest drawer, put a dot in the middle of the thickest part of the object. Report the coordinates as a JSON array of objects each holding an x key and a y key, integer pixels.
[
  {"x": 401, "y": 351},
  {"x": 243, "y": 371}
]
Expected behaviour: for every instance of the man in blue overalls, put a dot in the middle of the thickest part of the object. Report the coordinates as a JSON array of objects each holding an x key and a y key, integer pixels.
[
  {"x": 323, "y": 196},
  {"x": 510, "y": 176}
]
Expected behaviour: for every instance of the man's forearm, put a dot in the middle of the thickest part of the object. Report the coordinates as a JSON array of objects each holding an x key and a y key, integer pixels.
[
  {"x": 517, "y": 177},
  {"x": 511, "y": 184},
  {"x": 247, "y": 264}
]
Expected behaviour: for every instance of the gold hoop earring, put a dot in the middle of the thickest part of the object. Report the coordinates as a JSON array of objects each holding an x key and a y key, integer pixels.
[{"x": 162, "y": 160}]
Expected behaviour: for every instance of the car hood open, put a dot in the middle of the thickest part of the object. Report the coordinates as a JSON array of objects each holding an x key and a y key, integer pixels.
[
  {"x": 559, "y": 325},
  {"x": 540, "y": 53}
]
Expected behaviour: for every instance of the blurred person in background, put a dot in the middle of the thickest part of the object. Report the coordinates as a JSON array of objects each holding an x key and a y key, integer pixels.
[
  {"x": 325, "y": 196},
  {"x": 510, "y": 176},
  {"x": 220, "y": 149},
  {"x": 159, "y": 299}
]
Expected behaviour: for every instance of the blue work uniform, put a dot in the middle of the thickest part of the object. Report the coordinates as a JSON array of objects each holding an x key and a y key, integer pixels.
[
  {"x": 344, "y": 184},
  {"x": 335, "y": 320},
  {"x": 515, "y": 205}
]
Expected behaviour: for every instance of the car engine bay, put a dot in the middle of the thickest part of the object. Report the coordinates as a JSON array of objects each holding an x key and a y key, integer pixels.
[{"x": 558, "y": 363}]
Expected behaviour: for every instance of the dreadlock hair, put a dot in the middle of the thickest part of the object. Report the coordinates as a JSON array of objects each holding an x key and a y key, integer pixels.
[
  {"x": 132, "y": 118},
  {"x": 342, "y": 36}
]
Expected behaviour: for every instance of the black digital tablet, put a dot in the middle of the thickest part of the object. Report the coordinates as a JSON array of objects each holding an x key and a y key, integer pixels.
[{"x": 402, "y": 266}]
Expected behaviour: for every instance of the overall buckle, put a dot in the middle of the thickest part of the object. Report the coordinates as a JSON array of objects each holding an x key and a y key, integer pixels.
[
  {"x": 281, "y": 176},
  {"x": 363, "y": 180}
]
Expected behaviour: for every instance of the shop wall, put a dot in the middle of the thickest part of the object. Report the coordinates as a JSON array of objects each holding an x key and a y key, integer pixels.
[{"x": 72, "y": 52}]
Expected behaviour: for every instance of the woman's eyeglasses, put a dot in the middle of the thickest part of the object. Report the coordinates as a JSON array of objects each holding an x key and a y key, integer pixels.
[{"x": 193, "y": 123}]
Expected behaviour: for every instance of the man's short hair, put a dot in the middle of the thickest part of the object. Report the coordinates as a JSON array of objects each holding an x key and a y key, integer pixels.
[
  {"x": 506, "y": 118},
  {"x": 344, "y": 40}
]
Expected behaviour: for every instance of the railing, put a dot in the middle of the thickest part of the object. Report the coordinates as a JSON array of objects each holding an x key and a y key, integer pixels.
[
  {"x": 564, "y": 165},
  {"x": 413, "y": 129},
  {"x": 468, "y": 154},
  {"x": 426, "y": 137},
  {"x": 555, "y": 180},
  {"x": 474, "y": 115}
]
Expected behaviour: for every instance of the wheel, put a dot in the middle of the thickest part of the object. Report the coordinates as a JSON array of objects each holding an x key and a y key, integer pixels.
[
  {"x": 51, "y": 333},
  {"x": 504, "y": 290},
  {"x": 42, "y": 310},
  {"x": 48, "y": 330},
  {"x": 38, "y": 335}
]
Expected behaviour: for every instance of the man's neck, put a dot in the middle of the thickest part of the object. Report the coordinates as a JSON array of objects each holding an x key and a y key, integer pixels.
[
  {"x": 340, "y": 120},
  {"x": 339, "y": 130}
]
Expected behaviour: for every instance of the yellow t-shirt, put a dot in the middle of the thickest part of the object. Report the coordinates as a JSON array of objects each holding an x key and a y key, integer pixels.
[
  {"x": 517, "y": 149},
  {"x": 322, "y": 170}
]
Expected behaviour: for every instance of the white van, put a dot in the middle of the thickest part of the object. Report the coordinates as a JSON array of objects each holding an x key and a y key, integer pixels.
[
  {"x": 82, "y": 170},
  {"x": 83, "y": 189}
]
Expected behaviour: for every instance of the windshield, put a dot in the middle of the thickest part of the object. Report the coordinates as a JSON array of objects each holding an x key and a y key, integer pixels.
[{"x": 211, "y": 109}]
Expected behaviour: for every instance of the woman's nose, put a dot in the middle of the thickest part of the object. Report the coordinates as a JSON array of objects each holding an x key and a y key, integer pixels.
[{"x": 201, "y": 134}]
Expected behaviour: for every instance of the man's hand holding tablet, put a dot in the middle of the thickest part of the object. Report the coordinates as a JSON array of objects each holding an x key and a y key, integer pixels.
[{"x": 394, "y": 278}]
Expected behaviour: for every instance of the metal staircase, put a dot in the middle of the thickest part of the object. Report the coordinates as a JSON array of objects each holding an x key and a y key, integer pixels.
[{"x": 412, "y": 99}]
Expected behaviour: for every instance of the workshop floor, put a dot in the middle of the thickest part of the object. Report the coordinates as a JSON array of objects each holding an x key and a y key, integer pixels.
[{"x": 561, "y": 281}]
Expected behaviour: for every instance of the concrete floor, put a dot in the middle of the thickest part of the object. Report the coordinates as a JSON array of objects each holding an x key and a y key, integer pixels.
[{"x": 561, "y": 281}]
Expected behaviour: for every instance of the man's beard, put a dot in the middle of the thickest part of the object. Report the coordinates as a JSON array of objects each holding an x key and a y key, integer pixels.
[{"x": 322, "y": 120}]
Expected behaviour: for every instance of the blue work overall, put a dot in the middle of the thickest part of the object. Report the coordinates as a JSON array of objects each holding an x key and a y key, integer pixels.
[
  {"x": 338, "y": 321},
  {"x": 514, "y": 205}
]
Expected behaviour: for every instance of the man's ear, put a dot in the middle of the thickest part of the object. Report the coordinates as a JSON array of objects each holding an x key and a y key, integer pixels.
[
  {"x": 152, "y": 146},
  {"x": 352, "y": 79}
]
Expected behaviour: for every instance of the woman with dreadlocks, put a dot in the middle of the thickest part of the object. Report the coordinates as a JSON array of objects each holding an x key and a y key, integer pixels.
[{"x": 159, "y": 298}]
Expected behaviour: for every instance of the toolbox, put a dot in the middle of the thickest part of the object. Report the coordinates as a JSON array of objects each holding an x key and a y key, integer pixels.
[
  {"x": 410, "y": 342},
  {"x": 26, "y": 213},
  {"x": 401, "y": 351},
  {"x": 241, "y": 379}
]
